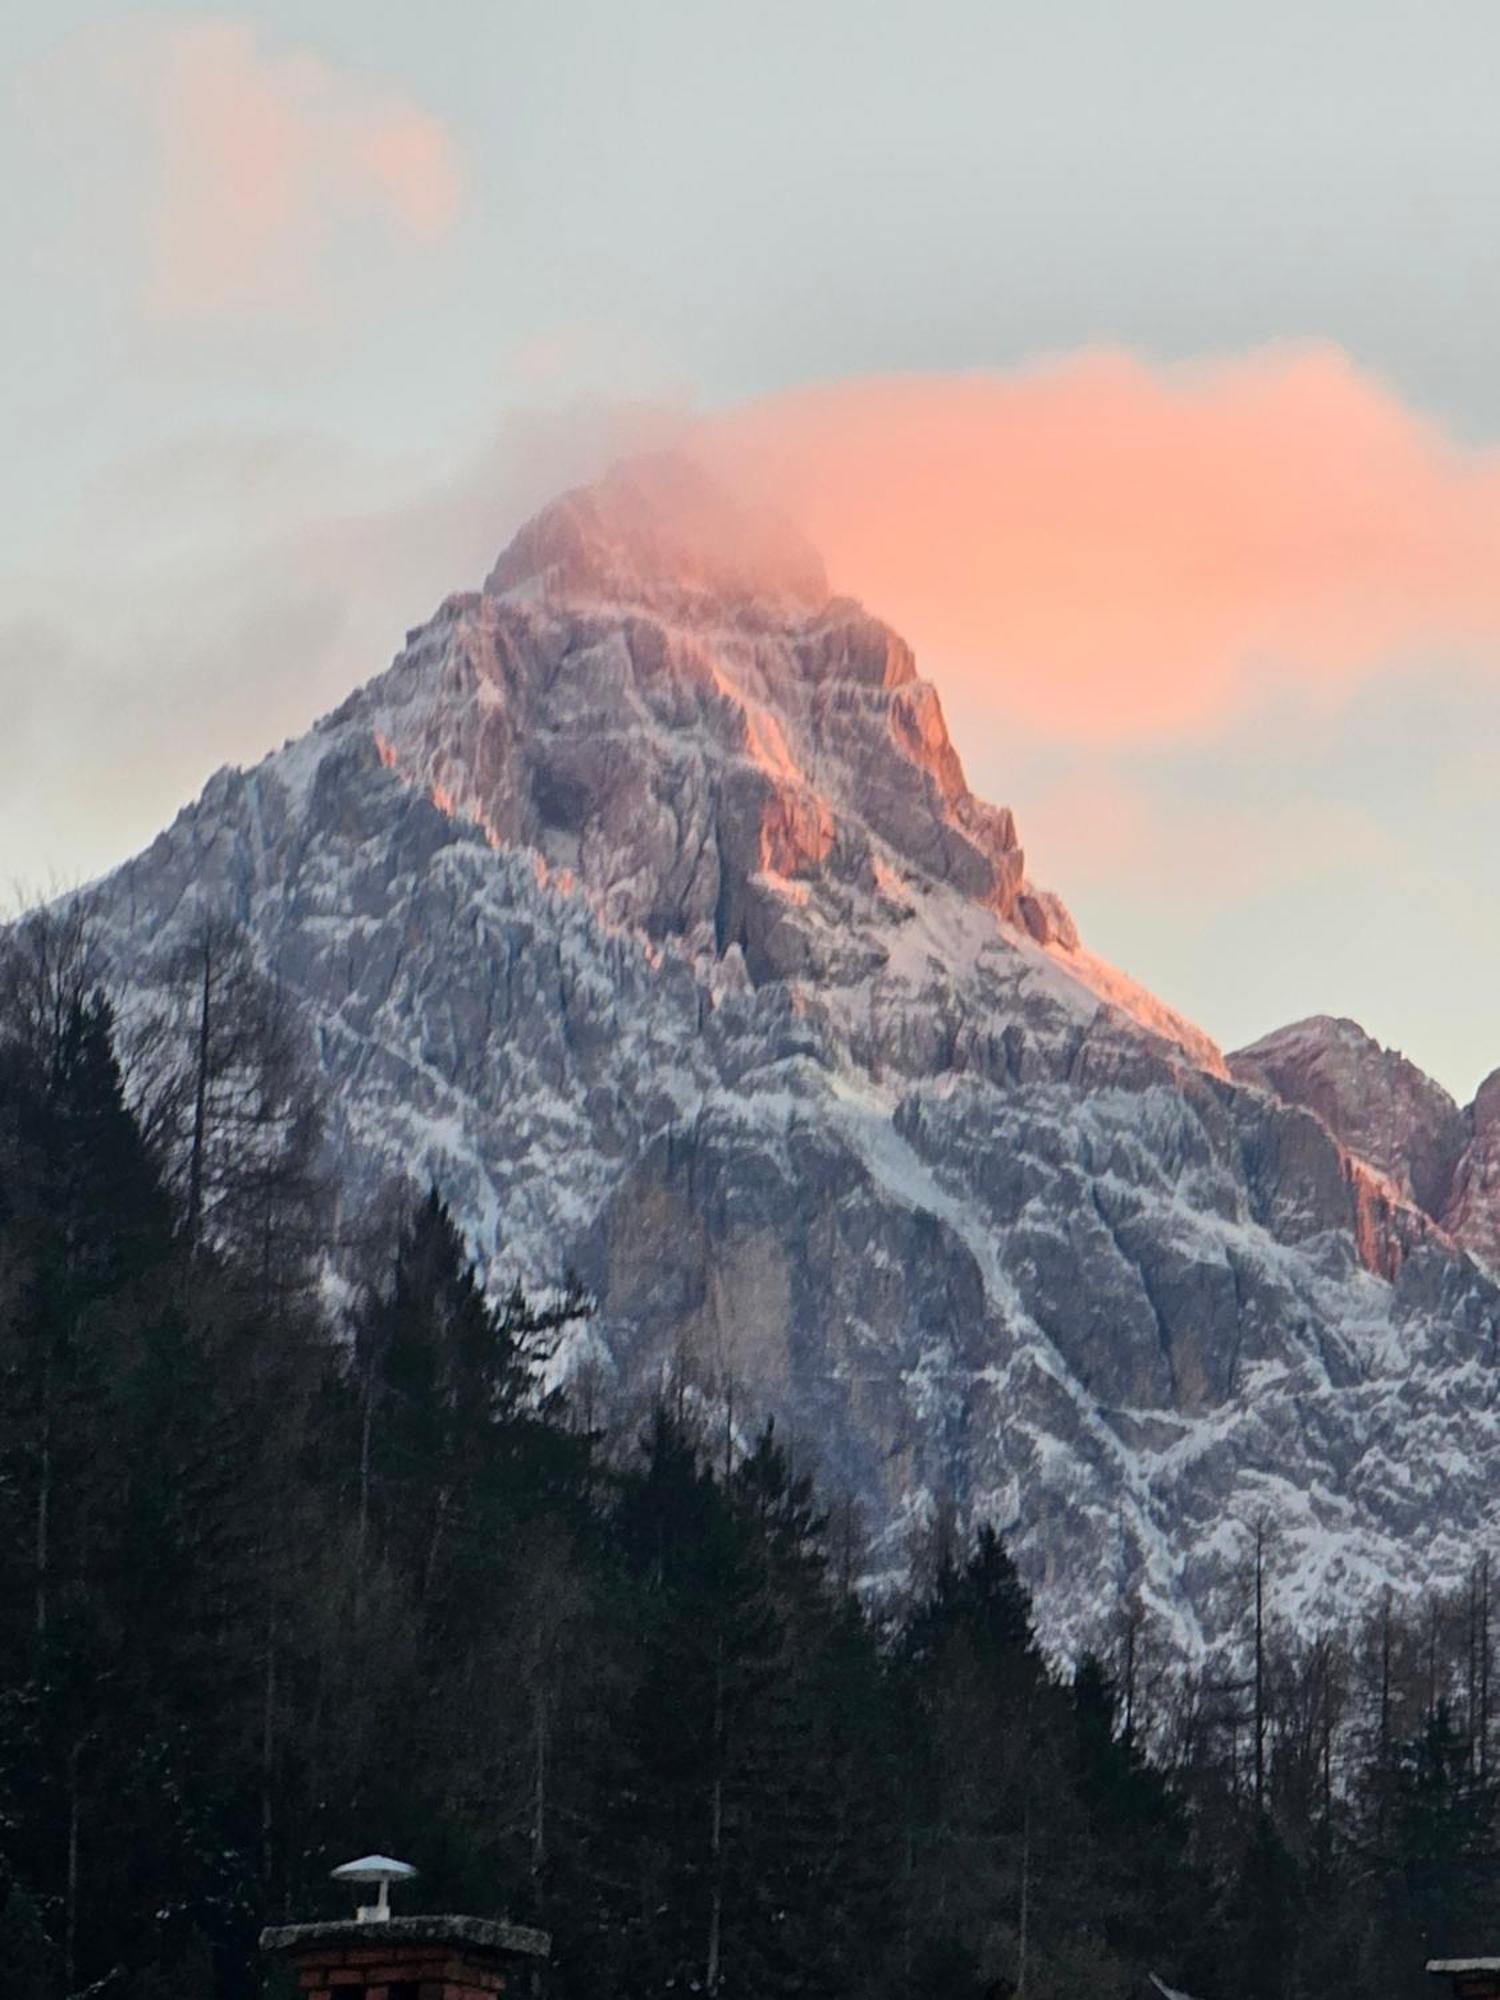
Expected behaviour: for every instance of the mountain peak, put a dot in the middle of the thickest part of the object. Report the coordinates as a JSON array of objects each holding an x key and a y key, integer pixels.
[
  {"x": 658, "y": 530},
  {"x": 657, "y": 697},
  {"x": 1373, "y": 1099}
]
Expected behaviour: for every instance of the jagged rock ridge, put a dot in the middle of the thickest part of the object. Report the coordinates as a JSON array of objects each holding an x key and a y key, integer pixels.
[
  {"x": 642, "y": 902},
  {"x": 1443, "y": 1160}
]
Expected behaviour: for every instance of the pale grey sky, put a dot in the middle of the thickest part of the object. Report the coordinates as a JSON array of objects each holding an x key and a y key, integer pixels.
[{"x": 304, "y": 300}]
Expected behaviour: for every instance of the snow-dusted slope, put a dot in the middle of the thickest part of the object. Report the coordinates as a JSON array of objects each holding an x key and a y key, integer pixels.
[{"x": 642, "y": 903}]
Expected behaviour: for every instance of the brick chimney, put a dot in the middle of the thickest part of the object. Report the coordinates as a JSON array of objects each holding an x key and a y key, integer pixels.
[
  {"x": 376, "y": 1956},
  {"x": 412, "y": 1958},
  {"x": 1471, "y": 1978}
]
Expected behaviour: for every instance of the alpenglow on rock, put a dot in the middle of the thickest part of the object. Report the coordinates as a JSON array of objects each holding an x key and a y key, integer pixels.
[
  {"x": 1443, "y": 1160},
  {"x": 642, "y": 904}
]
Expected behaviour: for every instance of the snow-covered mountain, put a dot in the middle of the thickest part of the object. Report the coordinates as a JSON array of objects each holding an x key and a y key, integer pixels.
[{"x": 643, "y": 904}]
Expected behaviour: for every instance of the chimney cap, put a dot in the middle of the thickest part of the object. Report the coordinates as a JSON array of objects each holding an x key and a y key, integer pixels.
[{"x": 373, "y": 1868}]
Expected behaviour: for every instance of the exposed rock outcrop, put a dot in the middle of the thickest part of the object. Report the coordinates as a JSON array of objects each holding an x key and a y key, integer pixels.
[
  {"x": 1396, "y": 1120},
  {"x": 1378, "y": 1103},
  {"x": 1471, "y": 1214}
]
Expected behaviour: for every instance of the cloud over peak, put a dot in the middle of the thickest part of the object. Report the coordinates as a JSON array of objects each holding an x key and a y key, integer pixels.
[{"x": 1123, "y": 552}]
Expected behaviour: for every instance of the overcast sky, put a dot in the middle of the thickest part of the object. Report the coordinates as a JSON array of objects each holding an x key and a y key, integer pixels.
[{"x": 1138, "y": 360}]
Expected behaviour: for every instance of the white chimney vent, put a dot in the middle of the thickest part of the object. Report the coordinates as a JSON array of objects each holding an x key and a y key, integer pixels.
[{"x": 375, "y": 1868}]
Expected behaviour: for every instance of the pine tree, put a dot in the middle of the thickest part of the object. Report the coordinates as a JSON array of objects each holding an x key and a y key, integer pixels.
[
  {"x": 980, "y": 1761},
  {"x": 1128, "y": 1856},
  {"x": 1442, "y": 1848},
  {"x": 456, "y": 1445}
]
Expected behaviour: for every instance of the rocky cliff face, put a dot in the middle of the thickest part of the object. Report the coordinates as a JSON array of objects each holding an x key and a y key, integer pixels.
[
  {"x": 1471, "y": 1211},
  {"x": 643, "y": 904},
  {"x": 1444, "y": 1161}
]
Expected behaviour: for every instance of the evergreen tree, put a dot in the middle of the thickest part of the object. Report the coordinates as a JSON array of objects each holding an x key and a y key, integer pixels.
[
  {"x": 1441, "y": 1862},
  {"x": 1129, "y": 1850},
  {"x": 456, "y": 1444}
]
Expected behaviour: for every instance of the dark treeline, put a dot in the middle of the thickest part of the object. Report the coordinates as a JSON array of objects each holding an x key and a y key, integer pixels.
[{"x": 281, "y": 1583}]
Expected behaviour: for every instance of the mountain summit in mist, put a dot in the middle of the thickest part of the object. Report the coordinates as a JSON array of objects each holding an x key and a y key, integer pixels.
[{"x": 641, "y": 903}]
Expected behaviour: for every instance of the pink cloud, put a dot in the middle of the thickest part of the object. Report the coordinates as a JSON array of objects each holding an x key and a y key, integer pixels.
[
  {"x": 1108, "y": 551},
  {"x": 410, "y": 162},
  {"x": 264, "y": 156}
]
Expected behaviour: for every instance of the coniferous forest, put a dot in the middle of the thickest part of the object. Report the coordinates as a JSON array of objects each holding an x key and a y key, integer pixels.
[{"x": 293, "y": 1568}]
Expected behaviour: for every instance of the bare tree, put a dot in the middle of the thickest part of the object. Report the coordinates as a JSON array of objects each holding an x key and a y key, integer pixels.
[
  {"x": 225, "y": 1097},
  {"x": 51, "y": 963}
]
